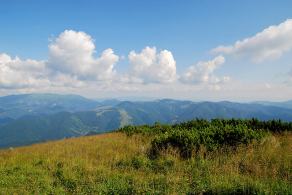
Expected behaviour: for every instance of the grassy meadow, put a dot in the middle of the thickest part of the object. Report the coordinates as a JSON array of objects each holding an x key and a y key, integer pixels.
[{"x": 119, "y": 163}]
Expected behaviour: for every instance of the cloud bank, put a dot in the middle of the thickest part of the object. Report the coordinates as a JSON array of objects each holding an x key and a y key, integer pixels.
[
  {"x": 72, "y": 63},
  {"x": 16, "y": 73},
  {"x": 271, "y": 43}
]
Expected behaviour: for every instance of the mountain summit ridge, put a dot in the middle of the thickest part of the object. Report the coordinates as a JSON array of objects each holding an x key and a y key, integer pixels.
[{"x": 30, "y": 118}]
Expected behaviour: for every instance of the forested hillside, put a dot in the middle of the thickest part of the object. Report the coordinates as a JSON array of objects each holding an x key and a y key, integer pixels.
[{"x": 32, "y": 118}]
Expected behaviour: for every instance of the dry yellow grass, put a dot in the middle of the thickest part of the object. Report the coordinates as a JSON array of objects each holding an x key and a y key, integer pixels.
[{"x": 115, "y": 163}]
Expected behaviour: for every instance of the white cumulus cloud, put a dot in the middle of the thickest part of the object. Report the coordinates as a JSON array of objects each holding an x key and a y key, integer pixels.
[
  {"x": 203, "y": 73},
  {"x": 17, "y": 73},
  {"x": 150, "y": 66},
  {"x": 73, "y": 52},
  {"x": 271, "y": 43},
  {"x": 72, "y": 65}
]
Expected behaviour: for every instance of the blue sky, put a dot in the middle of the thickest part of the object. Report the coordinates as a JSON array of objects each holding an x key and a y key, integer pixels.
[{"x": 188, "y": 29}]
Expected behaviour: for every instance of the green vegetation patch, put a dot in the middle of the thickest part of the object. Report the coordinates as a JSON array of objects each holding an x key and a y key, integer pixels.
[
  {"x": 189, "y": 141},
  {"x": 190, "y": 137}
]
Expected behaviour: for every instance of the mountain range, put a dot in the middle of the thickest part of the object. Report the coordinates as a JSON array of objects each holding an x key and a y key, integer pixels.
[{"x": 32, "y": 118}]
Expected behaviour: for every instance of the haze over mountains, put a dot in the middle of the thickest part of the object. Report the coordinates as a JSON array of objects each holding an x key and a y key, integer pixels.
[{"x": 31, "y": 118}]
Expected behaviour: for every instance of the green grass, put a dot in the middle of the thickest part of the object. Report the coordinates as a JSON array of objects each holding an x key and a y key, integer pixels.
[{"x": 116, "y": 163}]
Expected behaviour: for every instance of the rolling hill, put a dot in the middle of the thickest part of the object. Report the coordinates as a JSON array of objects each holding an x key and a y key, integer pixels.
[
  {"x": 32, "y": 118},
  {"x": 117, "y": 163}
]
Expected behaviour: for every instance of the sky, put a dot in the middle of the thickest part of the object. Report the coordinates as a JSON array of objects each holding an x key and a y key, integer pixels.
[{"x": 191, "y": 49}]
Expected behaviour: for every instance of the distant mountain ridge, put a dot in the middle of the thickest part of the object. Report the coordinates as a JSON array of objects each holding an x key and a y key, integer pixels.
[
  {"x": 31, "y": 118},
  {"x": 15, "y": 106},
  {"x": 284, "y": 104}
]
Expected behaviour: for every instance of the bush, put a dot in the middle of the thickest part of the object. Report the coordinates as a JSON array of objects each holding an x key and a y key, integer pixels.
[
  {"x": 188, "y": 137},
  {"x": 189, "y": 142},
  {"x": 274, "y": 126}
]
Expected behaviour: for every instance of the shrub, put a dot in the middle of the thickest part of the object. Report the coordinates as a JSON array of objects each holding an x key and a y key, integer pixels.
[
  {"x": 213, "y": 137},
  {"x": 274, "y": 126},
  {"x": 189, "y": 136}
]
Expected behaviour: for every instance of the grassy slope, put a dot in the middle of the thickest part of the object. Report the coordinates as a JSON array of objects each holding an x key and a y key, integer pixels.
[{"x": 115, "y": 163}]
